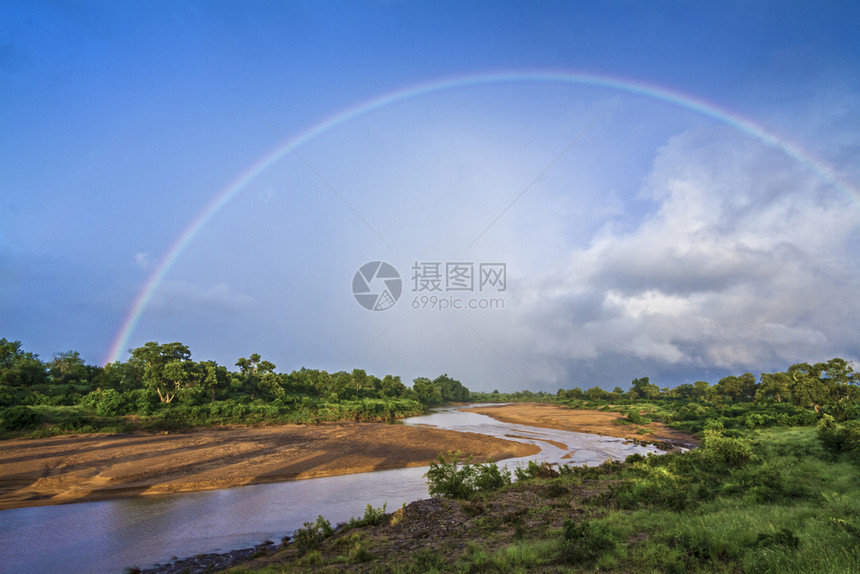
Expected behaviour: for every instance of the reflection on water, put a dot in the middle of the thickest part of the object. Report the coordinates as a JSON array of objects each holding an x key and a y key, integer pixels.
[
  {"x": 557, "y": 446},
  {"x": 108, "y": 536}
]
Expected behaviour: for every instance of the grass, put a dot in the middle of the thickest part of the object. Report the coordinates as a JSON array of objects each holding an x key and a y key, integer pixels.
[{"x": 771, "y": 500}]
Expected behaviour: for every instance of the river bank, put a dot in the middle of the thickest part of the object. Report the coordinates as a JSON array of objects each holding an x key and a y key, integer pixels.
[
  {"x": 79, "y": 468},
  {"x": 606, "y": 423}
]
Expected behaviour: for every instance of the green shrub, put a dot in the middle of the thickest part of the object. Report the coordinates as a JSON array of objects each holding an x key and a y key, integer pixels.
[
  {"x": 312, "y": 534},
  {"x": 634, "y": 417},
  {"x": 585, "y": 542},
  {"x": 450, "y": 479},
  {"x": 359, "y": 551},
  {"x": 836, "y": 438},
  {"x": 110, "y": 403},
  {"x": 372, "y": 517},
  {"x": 20, "y": 418},
  {"x": 489, "y": 476},
  {"x": 719, "y": 448},
  {"x": 144, "y": 401},
  {"x": 535, "y": 470}
]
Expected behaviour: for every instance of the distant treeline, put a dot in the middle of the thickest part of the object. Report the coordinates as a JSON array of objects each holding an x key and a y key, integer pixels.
[
  {"x": 831, "y": 387},
  {"x": 160, "y": 386}
]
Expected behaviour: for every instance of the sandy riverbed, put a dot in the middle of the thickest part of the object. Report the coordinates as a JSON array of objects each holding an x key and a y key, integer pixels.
[
  {"x": 80, "y": 468},
  {"x": 582, "y": 420}
]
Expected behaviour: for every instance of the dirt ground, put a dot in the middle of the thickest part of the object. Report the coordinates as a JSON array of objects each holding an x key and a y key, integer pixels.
[
  {"x": 585, "y": 421},
  {"x": 81, "y": 468}
]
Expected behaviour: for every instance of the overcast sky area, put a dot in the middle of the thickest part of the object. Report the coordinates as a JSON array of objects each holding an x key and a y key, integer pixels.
[{"x": 672, "y": 189}]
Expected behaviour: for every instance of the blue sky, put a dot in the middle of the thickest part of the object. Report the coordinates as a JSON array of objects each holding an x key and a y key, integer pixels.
[{"x": 688, "y": 237}]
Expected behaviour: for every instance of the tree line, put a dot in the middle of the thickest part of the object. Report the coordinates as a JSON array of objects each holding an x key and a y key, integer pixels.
[
  {"x": 161, "y": 380},
  {"x": 831, "y": 386}
]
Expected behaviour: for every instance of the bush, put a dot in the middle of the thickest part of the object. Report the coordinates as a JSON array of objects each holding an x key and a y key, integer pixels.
[
  {"x": 840, "y": 438},
  {"x": 535, "y": 470},
  {"x": 372, "y": 517},
  {"x": 144, "y": 401},
  {"x": 110, "y": 403},
  {"x": 634, "y": 417},
  {"x": 489, "y": 477},
  {"x": 20, "y": 418},
  {"x": 719, "y": 448},
  {"x": 584, "y": 542},
  {"x": 453, "y": 480},
  {"x": 449, "y": 479},
  {"x": 312, "y": 534}
]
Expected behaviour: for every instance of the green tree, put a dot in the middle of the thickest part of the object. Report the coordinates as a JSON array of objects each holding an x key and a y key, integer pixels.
[
  {"x": 427, "y": 393},
  {"x": 773, "y": 387},
  {"x": 121, "y": 376},
  {"x": 844, "y": 378},
  {"x": 166, "y": 368},
  {"x": 644, "y": 388},
  {"x": 215, "y": 377},
  {"x": 452, "y": 390},
  {"x": 258, "y": 375},
  {"x": 822, "y": 383},
  {"x": 392, "y": 387},
  {"x": 700, "y": 390},
  {"x": 67, "y": 367},
  {"x": 808, "y": 387},
  {"x": 737, "y": 388},
  {"x": 19, "y": 368}
]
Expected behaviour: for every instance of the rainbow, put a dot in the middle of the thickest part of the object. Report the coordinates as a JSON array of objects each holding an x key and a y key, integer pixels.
[{"x": 667, "y": 95}]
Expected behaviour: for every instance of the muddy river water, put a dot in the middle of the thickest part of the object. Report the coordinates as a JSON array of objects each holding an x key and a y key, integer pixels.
[{"x": 108, "y": 536}]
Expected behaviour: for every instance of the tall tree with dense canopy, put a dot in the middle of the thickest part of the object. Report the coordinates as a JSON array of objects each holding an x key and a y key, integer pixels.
[
  {"x": 166, "y": 368},
  {"x": 258, "y": 375},
  {"x": 19, "y": 368},
  {"x": 67, "y": 367},
  {"x": 737, "y": 388},
  {"x": 773, "y": 386},
  {"x": 644, "y": 388}
]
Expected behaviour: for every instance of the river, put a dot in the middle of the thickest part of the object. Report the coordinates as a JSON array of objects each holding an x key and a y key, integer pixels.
[{"x": 108, "y": 536}]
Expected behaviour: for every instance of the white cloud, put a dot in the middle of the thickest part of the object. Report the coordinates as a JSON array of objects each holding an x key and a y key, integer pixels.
[{"x": 740, "y": 265}]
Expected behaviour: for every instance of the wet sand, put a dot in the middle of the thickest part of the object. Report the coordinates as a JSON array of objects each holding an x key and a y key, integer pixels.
[
  {"x": 80, "y": 468},
  {"x": 582, "y": 420}
]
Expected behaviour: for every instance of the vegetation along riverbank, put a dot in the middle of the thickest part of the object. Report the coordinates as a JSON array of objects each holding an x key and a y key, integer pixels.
[{"x": 773, "y": 486}]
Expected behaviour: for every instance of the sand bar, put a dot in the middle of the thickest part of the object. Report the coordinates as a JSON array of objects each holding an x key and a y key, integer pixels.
[
  {"x": 582, "y": 420},
  {"x": 78, "y": 468}
]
